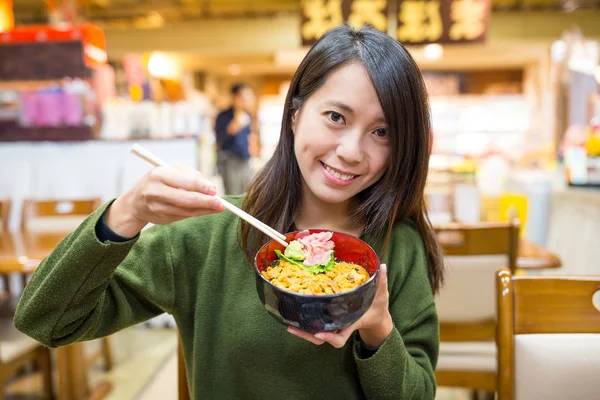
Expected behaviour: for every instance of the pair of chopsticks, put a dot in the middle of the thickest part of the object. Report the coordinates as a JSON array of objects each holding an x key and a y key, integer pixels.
[{"x": 267, "y": 230}]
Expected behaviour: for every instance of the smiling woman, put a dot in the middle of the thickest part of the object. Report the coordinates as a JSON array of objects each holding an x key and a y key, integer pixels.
[{"x": 351, "y": 160}]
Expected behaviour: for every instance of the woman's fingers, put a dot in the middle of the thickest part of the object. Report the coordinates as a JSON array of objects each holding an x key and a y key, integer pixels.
[
  {"x": 171, "y": 212},
  {"x": 183, "y": 178},
  {"x": 190, "y": 200},
  {"x": 336, "y": 339},
  {"x": 305, "y": 335},
  {"x": 383, "y": 282}
]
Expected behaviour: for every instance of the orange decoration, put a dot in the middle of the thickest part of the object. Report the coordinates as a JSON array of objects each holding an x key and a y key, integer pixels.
[
  {"x": 94, "y": 44},
  {"x": 7, "y": 17}
]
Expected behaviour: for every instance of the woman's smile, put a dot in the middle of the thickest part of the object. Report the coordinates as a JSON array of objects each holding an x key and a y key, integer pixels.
[{"x": 337, "y": 176}]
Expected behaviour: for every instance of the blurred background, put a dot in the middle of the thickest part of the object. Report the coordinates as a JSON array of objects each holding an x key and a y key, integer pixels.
[{"x": 514, "y": 92}]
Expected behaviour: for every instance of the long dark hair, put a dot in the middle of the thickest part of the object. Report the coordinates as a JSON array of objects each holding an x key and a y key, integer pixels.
[{"x": 274, "y": 196}]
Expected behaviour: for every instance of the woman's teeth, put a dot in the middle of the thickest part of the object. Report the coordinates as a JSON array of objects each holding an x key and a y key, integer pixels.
[{"x": 338, "y": 175}]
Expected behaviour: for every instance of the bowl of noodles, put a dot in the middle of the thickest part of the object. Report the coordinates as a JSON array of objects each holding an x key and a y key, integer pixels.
[{"x": 322, "y": 281}]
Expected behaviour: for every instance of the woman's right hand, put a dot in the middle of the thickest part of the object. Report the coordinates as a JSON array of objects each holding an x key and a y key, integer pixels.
[{"x": 164, "y": 195}]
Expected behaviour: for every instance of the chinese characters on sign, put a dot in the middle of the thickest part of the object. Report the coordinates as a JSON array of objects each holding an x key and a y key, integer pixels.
[
  {"x": 442, "y": 21},
  {"x": 468, "y": 19},
  {"x": 318, "y": 16},
  {"x": 372, "y": 12},
  {"x": 418, "y": 21}
]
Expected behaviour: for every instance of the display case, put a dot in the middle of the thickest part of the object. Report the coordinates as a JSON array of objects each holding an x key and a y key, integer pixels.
[{"x": 47, "y": 82}]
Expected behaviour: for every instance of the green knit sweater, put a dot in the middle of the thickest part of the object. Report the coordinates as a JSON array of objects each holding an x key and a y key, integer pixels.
[{"x": 195, "y": 270}]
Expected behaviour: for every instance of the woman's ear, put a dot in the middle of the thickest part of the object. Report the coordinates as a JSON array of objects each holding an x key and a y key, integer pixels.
[{"x": 294, "y": 119}]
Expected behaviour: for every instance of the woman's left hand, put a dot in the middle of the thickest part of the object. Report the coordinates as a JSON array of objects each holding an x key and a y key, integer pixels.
[{"x": 374, "y": 326}]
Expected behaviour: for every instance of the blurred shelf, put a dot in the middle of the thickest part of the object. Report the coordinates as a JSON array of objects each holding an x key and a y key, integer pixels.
[
  {"x": 28, "y": 85},
  {"x": 11, "y": 132}
]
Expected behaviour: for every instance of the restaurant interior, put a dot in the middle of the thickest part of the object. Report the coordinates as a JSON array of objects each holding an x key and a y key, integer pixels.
[{"x": 513, "y": 188}]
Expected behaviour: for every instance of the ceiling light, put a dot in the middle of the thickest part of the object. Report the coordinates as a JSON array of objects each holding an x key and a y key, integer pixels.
[
  {"x": 162, "y": 66},
  {"x": 433, "y": 51}
]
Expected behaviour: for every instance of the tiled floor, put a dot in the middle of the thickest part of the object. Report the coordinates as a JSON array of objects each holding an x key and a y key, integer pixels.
[
  {"x": 141, "y": 354},
  {"x": 146, "y": 368}
]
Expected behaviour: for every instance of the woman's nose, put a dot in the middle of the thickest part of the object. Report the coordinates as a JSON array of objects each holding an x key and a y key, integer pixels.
[{"x": 350, "y": 148}]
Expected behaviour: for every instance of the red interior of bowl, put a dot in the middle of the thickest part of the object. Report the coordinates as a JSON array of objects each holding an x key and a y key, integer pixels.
[{"x": 347, "y": 248}]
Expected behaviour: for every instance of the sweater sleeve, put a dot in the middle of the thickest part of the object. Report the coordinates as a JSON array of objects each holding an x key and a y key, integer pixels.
[
  {"x": 87, "y": 289},
  {"x": 403, "y": 367}
]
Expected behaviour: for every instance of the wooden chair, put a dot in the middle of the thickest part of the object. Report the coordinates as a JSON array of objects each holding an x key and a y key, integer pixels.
[
  {"x": 466, "y": 303},
  {"x": 56, "y": 214},
  {"x": 5, "y": 207},
  {"x": 18, "y": 351},
  {"x": 183, "y": 388},
  {"x": 60, "y": 215},
  {"x": 548, "y": 336}
]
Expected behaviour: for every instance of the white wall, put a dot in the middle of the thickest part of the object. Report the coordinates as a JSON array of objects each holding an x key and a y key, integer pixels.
[{"x": 46, "y": 170}]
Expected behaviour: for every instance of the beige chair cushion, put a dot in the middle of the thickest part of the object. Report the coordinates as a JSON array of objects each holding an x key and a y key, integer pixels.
[
  {"x": 557, "y": 366},
  {"x": 12, "y": 342},
  {"x": 469, "y": 292},
  {"x": 467, "y": 356},
  {"x": 54, "y": 223}
]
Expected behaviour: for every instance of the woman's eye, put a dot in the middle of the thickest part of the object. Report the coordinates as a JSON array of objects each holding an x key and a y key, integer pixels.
[
  {"x": 335, "y": 117},
  {"x": 381, "y": 132}
]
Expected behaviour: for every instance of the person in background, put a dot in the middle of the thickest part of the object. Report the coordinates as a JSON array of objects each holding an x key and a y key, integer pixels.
[{"x": 233, "y": 128}]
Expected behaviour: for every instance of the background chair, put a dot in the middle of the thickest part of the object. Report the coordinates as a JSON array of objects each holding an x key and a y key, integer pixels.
[
  {"x": 56, "y": 215},
  {"x": 63, "y": 216},
  {"x": 5, "y": 207},
  {"x": 17, "y": 352},
  {"x": 466, "y": 303},
  {"x": 548, "y": 337},
  {"x": 4, "y": 214},
  {"x": 183, "y": 388}
]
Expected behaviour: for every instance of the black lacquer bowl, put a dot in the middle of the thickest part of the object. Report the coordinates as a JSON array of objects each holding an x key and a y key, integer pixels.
[{"x": 319, "y": 313}]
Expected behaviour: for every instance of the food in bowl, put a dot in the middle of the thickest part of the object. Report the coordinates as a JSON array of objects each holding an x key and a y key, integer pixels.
[
  {"x": 321, "y": 312},
  {"x": 308, "y": 266}
]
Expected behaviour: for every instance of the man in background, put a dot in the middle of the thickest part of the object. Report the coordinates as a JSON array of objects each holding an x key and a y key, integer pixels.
[{"x": 233, "y": 128}]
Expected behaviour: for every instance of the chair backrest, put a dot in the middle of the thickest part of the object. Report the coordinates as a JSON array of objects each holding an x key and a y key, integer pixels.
[
  {"x": 182, "y": 384},
  {"x": 56, "y": 214},
  {"x": 548, "y": 336},
  {"x": 466, "y": 303},
  {"x": 4, "y": 213}
]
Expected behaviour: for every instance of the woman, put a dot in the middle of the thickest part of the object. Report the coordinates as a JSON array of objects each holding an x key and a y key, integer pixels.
[{"x": 352, "y": 157}]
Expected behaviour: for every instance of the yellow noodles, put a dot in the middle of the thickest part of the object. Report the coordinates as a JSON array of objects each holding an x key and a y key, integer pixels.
[{"x": 342, "y": 278}]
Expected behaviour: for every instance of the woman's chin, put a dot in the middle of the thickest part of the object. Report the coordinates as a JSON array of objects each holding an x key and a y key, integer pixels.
[{"x": 333, "y": 196}]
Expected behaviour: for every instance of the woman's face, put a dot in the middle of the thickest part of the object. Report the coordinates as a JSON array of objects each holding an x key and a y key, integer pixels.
[{"x": 341, "y": 137}]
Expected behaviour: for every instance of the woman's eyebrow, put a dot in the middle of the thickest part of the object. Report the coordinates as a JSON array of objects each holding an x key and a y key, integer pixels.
[{"x": 340, "y": 105}]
